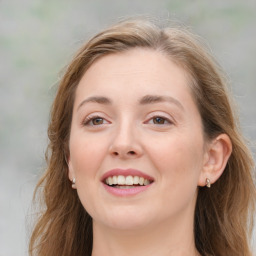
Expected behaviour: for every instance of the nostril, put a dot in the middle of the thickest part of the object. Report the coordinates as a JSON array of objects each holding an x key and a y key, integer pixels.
[{"x": 124, "y": 153}]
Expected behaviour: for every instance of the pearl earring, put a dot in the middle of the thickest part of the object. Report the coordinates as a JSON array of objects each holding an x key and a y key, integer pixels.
[
  {"x": 208, "y": 183},
  {"x": 74, "y": 183}
]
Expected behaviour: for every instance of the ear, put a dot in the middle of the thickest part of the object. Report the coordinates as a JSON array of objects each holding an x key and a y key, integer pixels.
[
  {"x": 71, "y": 173},
  {"x": 215, "y": 159}
]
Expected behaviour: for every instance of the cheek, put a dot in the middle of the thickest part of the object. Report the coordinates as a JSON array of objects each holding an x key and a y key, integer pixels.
[
  {"x": 179, "y": 162},
  {"x": 178, "y": 159},
  {"x": 86, "y": 153}
]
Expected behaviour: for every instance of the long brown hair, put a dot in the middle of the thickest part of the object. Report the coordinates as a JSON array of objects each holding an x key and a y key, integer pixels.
[{"x": 224, "y": 214}]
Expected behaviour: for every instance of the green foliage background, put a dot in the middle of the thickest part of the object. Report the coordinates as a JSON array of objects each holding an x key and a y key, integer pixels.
[{"x": 38, "y": 38}]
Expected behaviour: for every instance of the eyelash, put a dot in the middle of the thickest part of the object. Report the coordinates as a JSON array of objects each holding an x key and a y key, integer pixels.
[
  {"x": 165, "y": 119},
  {"x": 89, "y": 119}
]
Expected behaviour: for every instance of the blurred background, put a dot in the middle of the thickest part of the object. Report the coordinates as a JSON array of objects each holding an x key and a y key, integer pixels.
[{"x": 38, "y": 38}]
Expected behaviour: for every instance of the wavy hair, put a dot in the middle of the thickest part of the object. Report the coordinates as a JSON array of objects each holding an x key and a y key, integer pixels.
[{"x": 223, "y": 218}]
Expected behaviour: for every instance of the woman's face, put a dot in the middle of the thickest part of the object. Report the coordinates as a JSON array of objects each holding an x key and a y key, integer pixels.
[{"x": 135, "y": 126}]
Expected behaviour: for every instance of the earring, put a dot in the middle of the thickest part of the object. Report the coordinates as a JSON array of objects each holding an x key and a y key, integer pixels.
[
  {"x": 208, "y": 183},
  {"x": 74, "y": 183}
]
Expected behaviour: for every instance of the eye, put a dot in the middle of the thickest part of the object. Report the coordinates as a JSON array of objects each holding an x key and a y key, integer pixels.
[
  {"x": 97, "y": 121},
  {"x": 159, "y": 120},
  {"x": 94, "y": 121}
]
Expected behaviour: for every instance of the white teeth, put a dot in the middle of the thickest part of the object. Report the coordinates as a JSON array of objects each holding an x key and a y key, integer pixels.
[
  {"x": 120, "y": 180},
  {"x": 136, "y": 180},
  {"x": 114, "y": 179},
  {"x": 141, "y": 181},
  {"x": 110, "y": 181},
  {"x": 146, "y": 182},
  {"x": 128, "y": 181}
]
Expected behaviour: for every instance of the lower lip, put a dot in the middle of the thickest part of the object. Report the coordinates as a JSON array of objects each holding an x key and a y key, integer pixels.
[{"x": 126, "y": 191}]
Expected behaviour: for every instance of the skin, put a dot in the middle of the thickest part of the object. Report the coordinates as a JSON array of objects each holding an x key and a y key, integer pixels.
[{"x": 163, "y": 139}]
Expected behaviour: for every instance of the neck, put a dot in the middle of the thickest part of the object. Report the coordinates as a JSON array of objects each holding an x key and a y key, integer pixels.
[{"x": 172, "y": 238}]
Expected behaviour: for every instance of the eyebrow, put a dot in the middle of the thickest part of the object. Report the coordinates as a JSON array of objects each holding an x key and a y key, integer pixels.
[
  {"x": 96, "y": 99},
  {"x": 147, "y": 99}
]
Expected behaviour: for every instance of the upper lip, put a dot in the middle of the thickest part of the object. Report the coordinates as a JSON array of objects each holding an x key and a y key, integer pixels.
[{"x": 126, "y": 172}]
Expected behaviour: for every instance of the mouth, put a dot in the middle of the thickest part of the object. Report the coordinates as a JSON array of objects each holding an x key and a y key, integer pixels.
[{"x": 126, "y": 182}]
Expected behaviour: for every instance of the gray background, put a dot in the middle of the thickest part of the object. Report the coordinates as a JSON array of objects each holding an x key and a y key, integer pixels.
[{"x": 38, "y": 38}]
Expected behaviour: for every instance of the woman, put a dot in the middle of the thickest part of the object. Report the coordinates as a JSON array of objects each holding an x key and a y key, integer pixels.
[{"x": 145, "y": 156}]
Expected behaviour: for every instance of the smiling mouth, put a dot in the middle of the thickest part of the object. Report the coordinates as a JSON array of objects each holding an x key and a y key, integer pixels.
[{"x": 126, "y": 182}]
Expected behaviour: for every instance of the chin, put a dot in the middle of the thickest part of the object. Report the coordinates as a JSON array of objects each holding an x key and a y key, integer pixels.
[
  {"x": 127, "y": 224},
  {"x": 126, "y": 219}
]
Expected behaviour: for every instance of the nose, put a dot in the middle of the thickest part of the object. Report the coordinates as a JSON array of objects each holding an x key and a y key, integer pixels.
[{"x": 126, "y": 142}]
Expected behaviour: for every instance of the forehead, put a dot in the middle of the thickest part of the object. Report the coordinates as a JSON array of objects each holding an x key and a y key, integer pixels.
[{"x": 137, "y": 69}]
